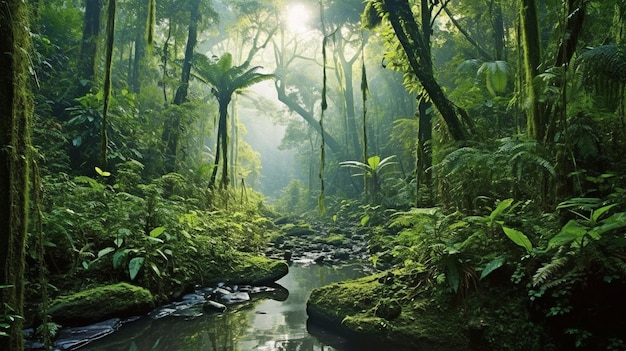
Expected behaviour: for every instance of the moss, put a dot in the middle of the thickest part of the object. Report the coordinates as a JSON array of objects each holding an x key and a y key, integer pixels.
[
  {"x": 389, "y": 308},
  {"x": 300, "y": 229},
  {"x": 97, "y": 304},
  {"x": 247, "y": 269},
  {"x": 336, "y": 240},
  {"x": 378, "y": 307}
]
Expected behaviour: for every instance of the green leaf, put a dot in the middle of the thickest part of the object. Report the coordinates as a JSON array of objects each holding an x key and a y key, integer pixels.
[
  {"x": 518, "y": 238},
  {"x": 162, "y": 254},
  {"x": 453, "y": 276},
  {"x": 118, "y": 242},
  {"x": 154, "y": 240},
  {"x": 119, "y": 258},
  {"x": 570, "y": 232},
  {"x": 105, "y": 251},
  {"x": 156, "y": 232},
  {"x": 155, "y": 268},
  {"x": 134, "y": 266},
  {"x": 503, "y": 205},
  {"x": 85, "y": 265},
  {"x": 102, "y": 173},
  {"x": 365, "y": 220},
  {"x": 492, "y": 266},
  {"x": 599, "y": 212}
]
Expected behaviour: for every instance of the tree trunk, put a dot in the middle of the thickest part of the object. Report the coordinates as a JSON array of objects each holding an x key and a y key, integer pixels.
[
  {"x": 411, "y": 38},
  {"x": 89, "y": 46},
  {"x": 223, "y": 125},
  {"x": 171, "y": 132},
  {"x": 498, "y": 30},
  {"x": 331, "y": 142},
  {"x": 16, "y": 109},
  {"x": 535, "y": 121},
  {"x": 140, "y": 49}
]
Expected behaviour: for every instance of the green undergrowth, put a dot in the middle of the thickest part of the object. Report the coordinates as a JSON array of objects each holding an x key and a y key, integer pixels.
[{"x": 165, "y": 234}]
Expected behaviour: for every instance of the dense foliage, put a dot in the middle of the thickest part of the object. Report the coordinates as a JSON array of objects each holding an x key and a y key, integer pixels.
[{"x": 478, "y": 144}]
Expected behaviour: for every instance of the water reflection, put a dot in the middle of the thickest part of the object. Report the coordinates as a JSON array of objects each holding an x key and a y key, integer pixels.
[{"x": 276, "y": 323}]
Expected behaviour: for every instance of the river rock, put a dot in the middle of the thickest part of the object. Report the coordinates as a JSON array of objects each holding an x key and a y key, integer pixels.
[
  {"x": 101, "y": 303},
  {"x": 211, "y": 305},
  {"x": 234, "y": 298},
  {"x": 72, "y": 338}
]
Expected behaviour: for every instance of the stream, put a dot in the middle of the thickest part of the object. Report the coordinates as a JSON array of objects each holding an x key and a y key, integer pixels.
[{"x": 264, "y": 324}]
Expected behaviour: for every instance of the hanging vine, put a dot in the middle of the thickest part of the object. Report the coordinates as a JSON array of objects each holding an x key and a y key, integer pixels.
[{"x": 321, "y": 201}]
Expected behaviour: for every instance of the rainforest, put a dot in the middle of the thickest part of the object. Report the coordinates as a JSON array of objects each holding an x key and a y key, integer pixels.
[{"x": 312, "y": 175}]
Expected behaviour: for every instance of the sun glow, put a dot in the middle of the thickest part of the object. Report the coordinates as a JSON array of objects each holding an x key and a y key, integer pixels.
[{"x": 297, "y": 17}]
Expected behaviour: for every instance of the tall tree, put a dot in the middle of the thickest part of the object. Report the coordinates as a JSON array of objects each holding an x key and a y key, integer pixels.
[
  {"x": 225, "y": 79},
  {"x": 415, "y": 42},
  {"x": 16, "y": 109},
  {"x": 171, "y": 131},
  {"x": 288, "y": 49},
  {"x": 343, "y": 19}
]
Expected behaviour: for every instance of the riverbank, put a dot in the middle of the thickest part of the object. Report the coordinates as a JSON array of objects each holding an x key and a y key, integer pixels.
[{"x": 397, "y": 308}]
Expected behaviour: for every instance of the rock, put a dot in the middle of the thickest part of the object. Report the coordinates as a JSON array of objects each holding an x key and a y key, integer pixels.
[
  {"x": 72, "y": 338},
  {"x": 221, "y": 292},
  {"x": 213, "y": 306},
  {"x": 194, "y": 297},
  {"x": 250, "y": 269},
  {"x": 234, "y": 298},
  {"x": 188, "y": 313},
  {"x": 97, "y": 304},
  {"x": 162, "y": 312}
]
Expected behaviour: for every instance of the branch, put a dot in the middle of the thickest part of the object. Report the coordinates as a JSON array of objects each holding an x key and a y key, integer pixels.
[{"x": 485, "y": 55}]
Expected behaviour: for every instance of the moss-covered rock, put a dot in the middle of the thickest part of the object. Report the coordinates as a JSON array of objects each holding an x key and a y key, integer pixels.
[
  {"x": 373, "y": 308},
  {"x": 298, "y": 229},
  {"x": 97, "y": 304},
  {"x": 396, "y": 307},
  {"x": 247, "y": 269}
]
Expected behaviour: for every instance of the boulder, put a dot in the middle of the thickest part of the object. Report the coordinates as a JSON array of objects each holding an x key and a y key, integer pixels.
[{"x": 97, "y": 304}]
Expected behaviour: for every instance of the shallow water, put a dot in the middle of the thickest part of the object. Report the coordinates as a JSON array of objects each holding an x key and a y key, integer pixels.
[{"x": 263, "y": 325}]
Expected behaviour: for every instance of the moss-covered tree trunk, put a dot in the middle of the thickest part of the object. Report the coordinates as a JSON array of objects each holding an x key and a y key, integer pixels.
[
  {"x": 16, "y": 112},
  {"x": 535, "y": 117},
  {"x": 417, "y": 49}
]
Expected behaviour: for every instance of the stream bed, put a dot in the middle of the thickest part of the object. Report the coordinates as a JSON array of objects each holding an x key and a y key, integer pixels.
[{"x": 266, "y": 324}]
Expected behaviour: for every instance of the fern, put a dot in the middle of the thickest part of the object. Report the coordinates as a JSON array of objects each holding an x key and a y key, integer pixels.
[
  {"x": 604, "y": 72},
  {"x": 549, "y": 270}
]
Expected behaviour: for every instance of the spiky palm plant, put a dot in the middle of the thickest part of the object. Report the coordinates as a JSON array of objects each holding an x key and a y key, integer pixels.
[
  {"x": 224, "y": 80},
  {"x": 372, "y": 171}
]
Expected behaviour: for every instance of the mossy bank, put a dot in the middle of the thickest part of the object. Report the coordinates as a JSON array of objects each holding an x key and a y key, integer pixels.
[{"x": 396, "y": 308}]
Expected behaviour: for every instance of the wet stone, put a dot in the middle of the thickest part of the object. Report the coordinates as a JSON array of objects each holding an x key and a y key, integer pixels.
[
  {"x": 234, "y": 298},
  {"x": 72, "y": 338}
]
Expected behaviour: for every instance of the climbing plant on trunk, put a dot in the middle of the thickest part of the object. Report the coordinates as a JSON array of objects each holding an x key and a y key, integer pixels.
[{"x": 16, "y": 109}]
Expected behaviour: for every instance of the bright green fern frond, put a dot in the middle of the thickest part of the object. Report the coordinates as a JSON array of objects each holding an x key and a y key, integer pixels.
[{"x": 547, "y": 273}]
